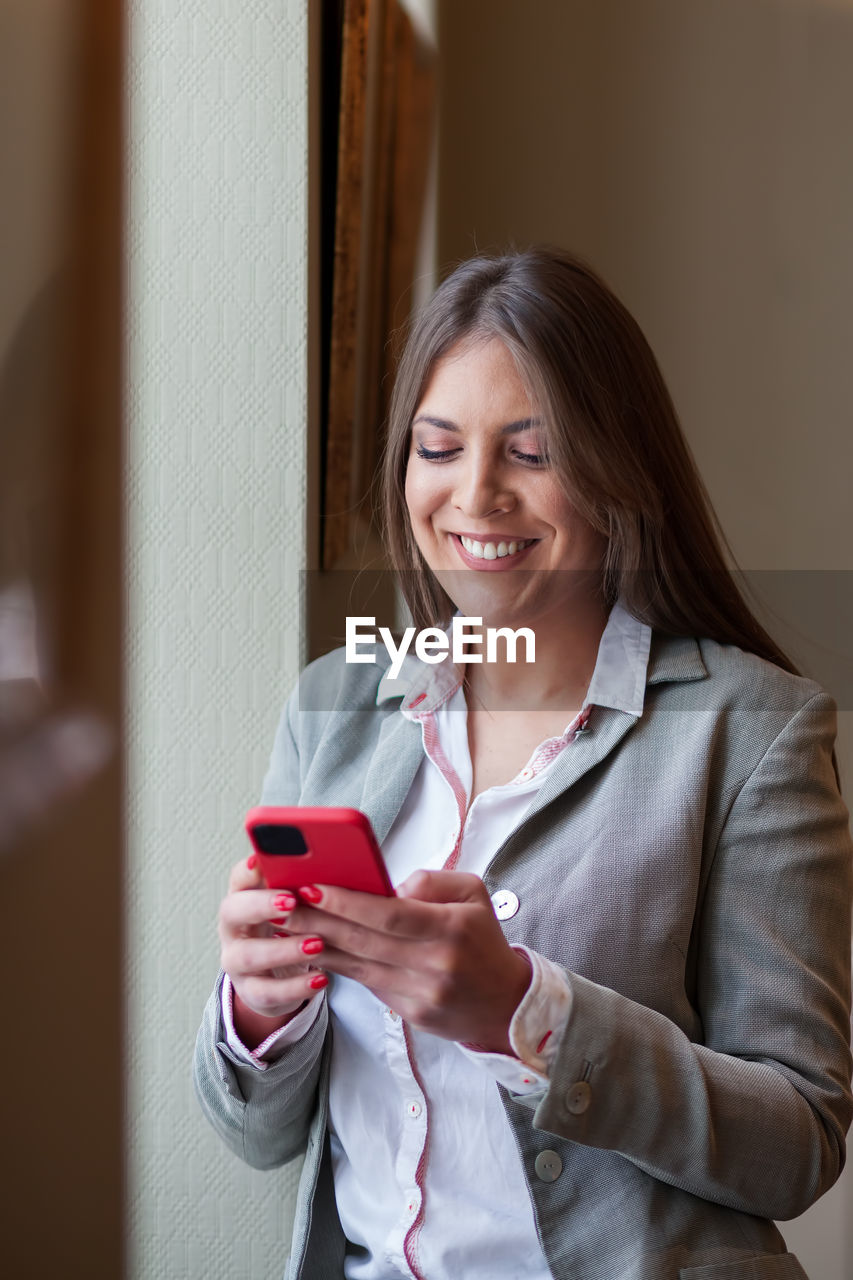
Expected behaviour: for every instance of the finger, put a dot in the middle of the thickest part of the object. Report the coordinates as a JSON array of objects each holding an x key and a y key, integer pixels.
[
  {"x": 245, "y": 875},
  {"x": 273, "y": 996},
  {"x": 395, "y": 916},
  {"x": 253, "y": 957},
  {"x": 363, "y": 946},
  {"x": 443, "y": 886},
  {"x": 241, "y": 912},
  {"x": 370, "y": 972}
]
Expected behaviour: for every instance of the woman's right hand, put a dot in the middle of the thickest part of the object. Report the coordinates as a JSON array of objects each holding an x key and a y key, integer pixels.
[{"x": 271, "y": 971}]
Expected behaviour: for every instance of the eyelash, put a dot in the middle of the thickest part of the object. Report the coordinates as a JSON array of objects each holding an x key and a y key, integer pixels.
[{"x": 442, "y": 455}]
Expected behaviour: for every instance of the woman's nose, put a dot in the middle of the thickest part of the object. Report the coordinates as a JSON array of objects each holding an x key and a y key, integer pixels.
[{"x": 482, "y": 489}]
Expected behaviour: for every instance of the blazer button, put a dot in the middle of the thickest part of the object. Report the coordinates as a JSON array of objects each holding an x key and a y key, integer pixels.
[
  {"x": 505, "y": 903},
  {"x": 578, "y": 1098},
  {"x": 548, "y": 1166}
]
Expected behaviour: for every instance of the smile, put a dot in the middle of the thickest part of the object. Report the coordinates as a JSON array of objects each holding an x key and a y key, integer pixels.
[
  {"x": 493, "y": 550},
  {"x": 503, "y": 549}
]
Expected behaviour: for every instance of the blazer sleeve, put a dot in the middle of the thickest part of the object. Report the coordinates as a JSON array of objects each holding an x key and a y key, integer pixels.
[
  {"x": 263, "y": 1116},
  {"x": 754, "y": 1117}
]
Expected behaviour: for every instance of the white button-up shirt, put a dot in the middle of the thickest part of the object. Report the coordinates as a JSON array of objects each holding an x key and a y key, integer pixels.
[{"x": 428, "y": 1180}]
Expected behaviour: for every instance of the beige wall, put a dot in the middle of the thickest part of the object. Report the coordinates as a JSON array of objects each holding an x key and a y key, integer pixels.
[{"x": 698, "y": 154}]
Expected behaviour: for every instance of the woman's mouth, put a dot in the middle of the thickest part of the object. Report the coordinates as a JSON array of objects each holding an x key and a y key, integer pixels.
[{"x": 484, "y": 554}]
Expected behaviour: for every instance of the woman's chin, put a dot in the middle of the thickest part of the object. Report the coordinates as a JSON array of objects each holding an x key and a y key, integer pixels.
[{"x": 498, "y": 602}]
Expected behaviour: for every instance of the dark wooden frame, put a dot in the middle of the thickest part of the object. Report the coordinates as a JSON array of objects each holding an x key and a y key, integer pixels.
[{"x": 383, "y": 140}]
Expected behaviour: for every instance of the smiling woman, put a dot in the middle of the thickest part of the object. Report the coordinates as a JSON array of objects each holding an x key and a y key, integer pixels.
[
  {"x": 601, "y": 1030},
  {"x": 542, "y": 332}
]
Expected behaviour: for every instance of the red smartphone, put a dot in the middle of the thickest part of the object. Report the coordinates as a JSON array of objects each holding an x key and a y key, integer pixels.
[{"x": 297, "y": 846}]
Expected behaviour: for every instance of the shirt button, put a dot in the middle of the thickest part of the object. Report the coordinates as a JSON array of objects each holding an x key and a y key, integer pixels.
[
  {"x": 413, "y": 1109},
  {"x": 505, "y": 903},
  {"x": 548, "y": 1166},
  {"x": 526, "y": 774},
  {"x": 578, "y": 1097},
  {"x": 392, "y": 1015}
]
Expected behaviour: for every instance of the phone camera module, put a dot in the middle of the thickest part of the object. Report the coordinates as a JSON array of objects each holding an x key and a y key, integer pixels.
[{"x": 281, "y": 841}]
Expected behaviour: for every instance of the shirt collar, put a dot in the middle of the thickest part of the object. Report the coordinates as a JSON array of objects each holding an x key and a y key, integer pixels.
[
  {"x": 618, "y": 680},
  {"x": 422, "y": 687}
]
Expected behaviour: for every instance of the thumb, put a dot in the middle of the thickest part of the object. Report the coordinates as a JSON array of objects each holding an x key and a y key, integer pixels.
[{"x": 443, "y": 886}]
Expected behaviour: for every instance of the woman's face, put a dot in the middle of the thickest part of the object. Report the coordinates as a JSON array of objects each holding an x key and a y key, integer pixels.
[{"x": 483, "y": 502}]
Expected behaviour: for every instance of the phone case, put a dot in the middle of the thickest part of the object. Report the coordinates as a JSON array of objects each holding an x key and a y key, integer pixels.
[{"x": 300, "y": 846}]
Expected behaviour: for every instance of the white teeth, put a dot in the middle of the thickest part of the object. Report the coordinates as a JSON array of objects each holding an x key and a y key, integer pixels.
[{"x": 490, "y": 551}]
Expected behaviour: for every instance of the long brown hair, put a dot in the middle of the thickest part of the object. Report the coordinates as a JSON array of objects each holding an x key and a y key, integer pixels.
[{"x": 612, "y": 435}]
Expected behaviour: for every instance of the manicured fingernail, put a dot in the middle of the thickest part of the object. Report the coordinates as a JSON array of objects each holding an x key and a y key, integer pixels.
[
  {"x": 284, "y": 902},
  {"x": 310, "y": 893},
  {"x": 312, "y": 946},
  {"x": 252, "y": 861},
  {"x": 319, "y": 980},
  {"x": 279, "y": 920}
]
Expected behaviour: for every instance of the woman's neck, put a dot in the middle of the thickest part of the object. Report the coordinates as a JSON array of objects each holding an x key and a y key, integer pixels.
[{"x": 566, "y": 652}]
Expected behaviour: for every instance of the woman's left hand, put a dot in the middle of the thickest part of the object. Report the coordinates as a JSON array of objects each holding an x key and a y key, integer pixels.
[{"x": 435, "y": 954}]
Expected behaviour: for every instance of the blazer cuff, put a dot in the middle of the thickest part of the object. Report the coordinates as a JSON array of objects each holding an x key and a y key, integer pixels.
[{"x": 273, "y": 1047}]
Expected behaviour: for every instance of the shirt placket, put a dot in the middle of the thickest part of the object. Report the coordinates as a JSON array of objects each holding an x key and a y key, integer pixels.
[
  {"x": 403, "y": 1252},
  {"x": 411, "y": 1158}
]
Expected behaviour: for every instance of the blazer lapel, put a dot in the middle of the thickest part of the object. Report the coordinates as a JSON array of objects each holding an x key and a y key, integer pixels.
[
  {"x": 391, "y": 772},
  {"x": 671, "y": 658},
  {"x": 607, "y": 728}
]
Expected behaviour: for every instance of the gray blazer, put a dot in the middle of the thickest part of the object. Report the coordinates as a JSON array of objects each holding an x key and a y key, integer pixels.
[{"x": 691, "y": 869}]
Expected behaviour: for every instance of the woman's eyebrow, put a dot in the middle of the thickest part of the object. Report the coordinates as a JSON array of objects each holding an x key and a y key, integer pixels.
[{"x": 511, "y": 428}]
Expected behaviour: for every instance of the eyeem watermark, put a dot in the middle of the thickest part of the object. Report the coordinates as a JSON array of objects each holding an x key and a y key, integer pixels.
[{"x": 433, "y": 645}]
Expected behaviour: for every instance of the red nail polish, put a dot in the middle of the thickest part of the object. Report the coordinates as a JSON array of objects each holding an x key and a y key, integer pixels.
[
  {"x": 312, "y": 946},
  {"x": 319, "y": 980},
  {"x": 252, "y": 861},
  {"x": 310, "y": 893},
  {"x": 284, "y": 902},
  {"x": 279, "y": 919}
]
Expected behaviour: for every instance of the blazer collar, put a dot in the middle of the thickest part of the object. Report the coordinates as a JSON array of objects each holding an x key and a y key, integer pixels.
[{"x": 674, "y": 658}]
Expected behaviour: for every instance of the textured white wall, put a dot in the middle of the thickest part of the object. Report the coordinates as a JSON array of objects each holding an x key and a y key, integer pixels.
[{"x": 217, "y": 401}]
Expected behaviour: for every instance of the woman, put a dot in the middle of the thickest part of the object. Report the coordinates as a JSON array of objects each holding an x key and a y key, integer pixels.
[{"x": 603, "y": 1029}]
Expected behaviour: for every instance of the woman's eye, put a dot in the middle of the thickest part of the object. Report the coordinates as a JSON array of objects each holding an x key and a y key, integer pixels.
[
  {"x": 442, "y": 455},
  {"x": 434, "y": 455}
]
